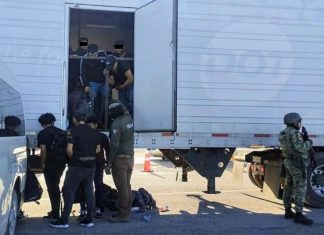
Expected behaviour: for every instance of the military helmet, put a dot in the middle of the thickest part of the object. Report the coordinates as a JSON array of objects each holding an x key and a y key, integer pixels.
[{"x": 291, "y": 118}]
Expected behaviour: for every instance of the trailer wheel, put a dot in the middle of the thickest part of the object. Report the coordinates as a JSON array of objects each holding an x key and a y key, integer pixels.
[
  {"x": 315, "y": 183},
  {"x": 254, "y": 178}
]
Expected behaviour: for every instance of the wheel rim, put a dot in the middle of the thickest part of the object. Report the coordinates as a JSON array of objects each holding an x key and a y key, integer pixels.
[
  {"x": 13, "y": 214},
  {"x": 317, "y": 180}
]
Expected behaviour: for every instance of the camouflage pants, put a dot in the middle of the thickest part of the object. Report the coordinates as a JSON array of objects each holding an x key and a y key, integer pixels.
[{"x": 294, "y": 182}]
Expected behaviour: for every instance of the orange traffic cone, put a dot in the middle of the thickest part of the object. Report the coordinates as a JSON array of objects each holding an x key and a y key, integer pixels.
[{"x": 147, "y": 161}]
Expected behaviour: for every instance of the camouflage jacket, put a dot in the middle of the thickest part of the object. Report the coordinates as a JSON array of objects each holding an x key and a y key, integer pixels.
[{"x": 293, "y": 144}]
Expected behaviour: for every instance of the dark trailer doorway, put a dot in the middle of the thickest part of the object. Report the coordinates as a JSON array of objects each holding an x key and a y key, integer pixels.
[{"x": 101, "y": 28}]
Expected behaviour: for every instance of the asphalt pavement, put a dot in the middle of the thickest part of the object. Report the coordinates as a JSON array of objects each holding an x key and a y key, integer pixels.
[{"x": 238, "y": 207}]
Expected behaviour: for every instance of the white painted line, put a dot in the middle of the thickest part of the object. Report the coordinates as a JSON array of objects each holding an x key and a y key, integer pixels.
[{"x": 201, "y": 193}]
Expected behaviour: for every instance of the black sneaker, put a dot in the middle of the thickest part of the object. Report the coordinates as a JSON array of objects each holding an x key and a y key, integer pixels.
[
  {"x": 59, "y": 224},
  {"x": 87, "y": 223}
]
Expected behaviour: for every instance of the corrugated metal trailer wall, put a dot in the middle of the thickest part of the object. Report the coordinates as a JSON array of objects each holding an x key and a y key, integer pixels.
[
  {"x": 243, "y": 64},
  {"x": 33, "y": 46}
]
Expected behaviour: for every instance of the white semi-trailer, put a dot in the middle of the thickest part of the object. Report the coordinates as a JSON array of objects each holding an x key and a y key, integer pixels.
[{"x": 209, "y": 76}]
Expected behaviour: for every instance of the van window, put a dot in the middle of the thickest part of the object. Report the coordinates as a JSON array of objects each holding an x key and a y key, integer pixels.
[{"x": 12, "y": 121}]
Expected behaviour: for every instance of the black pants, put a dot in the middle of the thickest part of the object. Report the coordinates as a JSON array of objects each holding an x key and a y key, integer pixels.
[
  {"x": 76, "y": 176},
  {"x": 98, "y": 183},
  {"x": 52, "y": 175}
]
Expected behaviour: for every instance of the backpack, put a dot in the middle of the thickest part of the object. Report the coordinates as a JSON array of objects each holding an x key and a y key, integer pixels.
[
  {"x": 33, "y": 190},
  {"x": 58, "y": 146},
  {"x": 109, "y": 198},
  {"x": 144, "y": 200}
]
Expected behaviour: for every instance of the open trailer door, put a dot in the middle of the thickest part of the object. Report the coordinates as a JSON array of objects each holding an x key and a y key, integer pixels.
[{"x": 155, "y": 66}]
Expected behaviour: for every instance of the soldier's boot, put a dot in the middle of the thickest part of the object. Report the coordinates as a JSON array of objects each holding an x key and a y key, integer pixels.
[
  {"x": 289, "y": 214},
  {"x": 301, "y": 219}
]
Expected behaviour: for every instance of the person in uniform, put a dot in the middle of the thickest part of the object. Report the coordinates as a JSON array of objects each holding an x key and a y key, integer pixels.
[
  {"x": 121, "y": 159},
  {"x": 295, "y": 152}
]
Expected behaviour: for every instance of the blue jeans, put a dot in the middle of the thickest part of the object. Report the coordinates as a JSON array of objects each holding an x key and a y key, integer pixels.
[{"x": 97, "y": 88}]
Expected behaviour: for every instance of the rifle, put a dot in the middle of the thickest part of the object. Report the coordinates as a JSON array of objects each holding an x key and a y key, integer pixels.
[{"x": 311, "y": 151}]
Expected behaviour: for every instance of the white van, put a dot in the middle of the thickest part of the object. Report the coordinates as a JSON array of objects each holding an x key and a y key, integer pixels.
[{"x": 13, "y": 160}]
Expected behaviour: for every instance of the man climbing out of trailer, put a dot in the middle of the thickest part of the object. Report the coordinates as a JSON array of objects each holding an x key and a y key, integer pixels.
[
  {"x": 121, "y": 159},
  {"x": 94, "y": 78},
  {"x": 50, "y": 141},
  {"x": 295, "y": 152},
  {"x": 76, "y": 86}
]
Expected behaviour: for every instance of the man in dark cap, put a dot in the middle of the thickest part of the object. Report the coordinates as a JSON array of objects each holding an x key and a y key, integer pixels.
[
  {"x": 121, "y": 159},
  {"x": 83, "y": 145},
  {"x": 11, "y": 124}
]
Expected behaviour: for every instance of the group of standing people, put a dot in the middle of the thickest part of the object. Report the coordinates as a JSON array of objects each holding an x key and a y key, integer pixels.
[
  {"x": 88, "y": 154},
  {"x": 93, "y": 74}
]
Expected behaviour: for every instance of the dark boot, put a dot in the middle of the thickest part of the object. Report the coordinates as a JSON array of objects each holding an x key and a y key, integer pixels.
[
  {"x": 301, "y": 219},
  {"x": 289, "y": 214}
]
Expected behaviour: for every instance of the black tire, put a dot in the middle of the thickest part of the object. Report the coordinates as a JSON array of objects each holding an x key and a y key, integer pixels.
[
  {"x": 13, "y": 212},
  {"x": 315, "y": 186},
  {"x": 254, "y": 179}
]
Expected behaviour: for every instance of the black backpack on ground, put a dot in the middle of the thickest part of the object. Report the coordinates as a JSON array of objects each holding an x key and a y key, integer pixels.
[
  {"x": 109, "y": 198},
  {"x": 58, "y": 146},
  {"x": 33, "y": 189},
  {"x": 144, "y": 200}
]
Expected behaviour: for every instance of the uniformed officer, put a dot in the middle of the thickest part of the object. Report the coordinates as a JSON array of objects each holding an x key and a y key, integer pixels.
[
  {"x": 121, "y": 159},
  {"x": 295, "y": 152}
]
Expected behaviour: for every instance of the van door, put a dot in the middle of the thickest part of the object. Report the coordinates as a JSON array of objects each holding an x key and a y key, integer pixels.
[{"x": 155, "y": 66}]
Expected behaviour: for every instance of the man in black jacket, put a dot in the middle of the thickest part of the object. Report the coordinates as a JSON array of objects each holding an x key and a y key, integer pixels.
[
  {"x": 83, "y": 145},
  {"x": 53, "y": 165}
]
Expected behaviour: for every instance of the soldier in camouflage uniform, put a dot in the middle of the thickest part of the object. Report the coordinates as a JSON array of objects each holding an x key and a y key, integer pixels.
[{"x": 295, "y": 152}]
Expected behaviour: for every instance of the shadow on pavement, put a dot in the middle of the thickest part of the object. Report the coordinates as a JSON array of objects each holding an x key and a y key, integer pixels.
[{"x": 211, "y": 218}]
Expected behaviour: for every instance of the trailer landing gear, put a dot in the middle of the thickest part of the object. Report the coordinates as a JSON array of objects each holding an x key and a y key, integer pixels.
[{"x": 208, "y": 162}]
